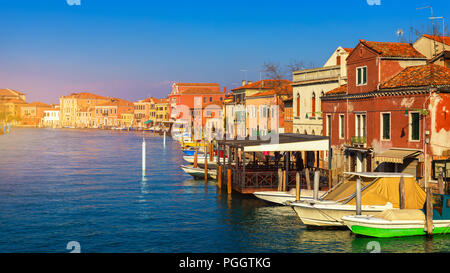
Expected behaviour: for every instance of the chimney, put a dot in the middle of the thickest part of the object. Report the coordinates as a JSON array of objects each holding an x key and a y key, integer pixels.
[
  {"x": 225, "y": 90},
  {"x": 244, "y": 82},
  {"x": 249, "y": 82}
]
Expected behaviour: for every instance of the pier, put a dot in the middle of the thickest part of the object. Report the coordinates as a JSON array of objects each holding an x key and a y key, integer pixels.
[{"x": 259, "y": 165}]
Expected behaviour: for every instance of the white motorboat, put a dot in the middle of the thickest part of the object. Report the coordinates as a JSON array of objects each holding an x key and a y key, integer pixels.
[
  {"x": 284, "y": 197},
  {"x": 379, "y": 191},
  {"x": 199, "y": 173}
]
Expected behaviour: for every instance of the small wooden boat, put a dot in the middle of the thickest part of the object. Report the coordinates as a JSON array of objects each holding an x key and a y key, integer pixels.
[
  {"x": 379, "y": 192},
  {"x": 284, "y": 197},
  {"x": 402, "y": 222},
  {"x": 199, "y": 173}
]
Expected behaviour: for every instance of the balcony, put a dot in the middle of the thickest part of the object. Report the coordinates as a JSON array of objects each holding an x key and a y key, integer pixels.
[{"x": 358, "y": 140}]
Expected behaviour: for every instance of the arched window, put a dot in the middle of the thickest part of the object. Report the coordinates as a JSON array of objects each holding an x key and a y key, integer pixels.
[
  {"x": 313, "y": 105},
  {"x": 298, "y": 105}
]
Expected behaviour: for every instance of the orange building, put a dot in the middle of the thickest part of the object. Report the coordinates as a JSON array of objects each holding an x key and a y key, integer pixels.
[
  {"x": 109, "y": 114},
  {"x": 32, "y": 113}
]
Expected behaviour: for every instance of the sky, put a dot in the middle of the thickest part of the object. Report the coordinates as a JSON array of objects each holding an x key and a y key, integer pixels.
[{"x": 133, "y": 49}]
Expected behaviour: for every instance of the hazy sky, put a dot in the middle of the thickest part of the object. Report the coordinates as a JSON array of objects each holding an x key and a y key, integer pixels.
[{"x": 133, "y": 48}]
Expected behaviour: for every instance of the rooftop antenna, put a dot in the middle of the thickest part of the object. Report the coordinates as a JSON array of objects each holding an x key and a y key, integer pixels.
[
  {"x": 245, "y": 74},
  {"x": 443, "y": 29},
  {"x": 400, "y": 34}
]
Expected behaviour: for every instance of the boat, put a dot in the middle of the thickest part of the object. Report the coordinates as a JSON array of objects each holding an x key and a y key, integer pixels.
[
  {"x": 379, "y": 192},
  {"x": 191, "y": 152},
  {"x": 201, "y": 160},
  {"x": 284, "y": 197},
  {"x": 402, "y": 222},
  {"x": 199, "y": 173}
]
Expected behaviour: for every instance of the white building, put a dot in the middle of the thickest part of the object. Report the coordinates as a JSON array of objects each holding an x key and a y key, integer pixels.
[
  {"x": 51, "y": 118},
  {"x": 310, "y": 85}
]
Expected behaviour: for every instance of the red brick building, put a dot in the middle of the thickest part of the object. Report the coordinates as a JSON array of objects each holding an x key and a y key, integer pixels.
[{"x": 393, "y": 113}]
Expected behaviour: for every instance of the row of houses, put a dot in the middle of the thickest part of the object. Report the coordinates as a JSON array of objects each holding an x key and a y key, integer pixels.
[
  {"x": 82, "y": 110},
  {"x": 384, "y": 105}
]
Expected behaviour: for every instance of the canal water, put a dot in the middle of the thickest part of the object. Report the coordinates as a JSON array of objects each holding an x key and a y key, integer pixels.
[{"x": 63, "y": 185}]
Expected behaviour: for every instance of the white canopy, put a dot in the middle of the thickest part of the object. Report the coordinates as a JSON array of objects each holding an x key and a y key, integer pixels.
[{"x": 311, "y": 145}]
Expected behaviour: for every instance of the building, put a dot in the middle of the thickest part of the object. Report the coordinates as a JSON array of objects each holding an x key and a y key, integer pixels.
[
  {"x": 162, "y": 111},
  {"x": 8, "y": 94},
  {"x": 187, "y": 102},
  {"x": 51, "y": 118},
  {"x": 310, "y": 85},
  {"x": 265, "y": 110},
  {"x": 236, "y": 122},
  {"x": 109, "y": 114},
  {"x": 32, "y": 113},
  {"x": 126, "y": 119},
  {"x": 393, "y": 113},
  {"x": 431, "y": 46},
  {"x": 145, "y": 110},
  {"x": 76, "y": 109},
  {"x": 11, "y": 102}
]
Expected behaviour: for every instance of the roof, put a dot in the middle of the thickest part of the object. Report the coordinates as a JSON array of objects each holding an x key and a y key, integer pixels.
[
  {"x": 116, "y": 102},
  {"x": 85, "y": 95},
  {"x": 390, "y": 49},
  {"x": 439, "y": 39},
  {"x": 339, "y": 90},
  {"x": 151, "y": 99},
  {"x": 264, "y": 84},
  {"x": 422, "y": 75},
  {"x": 16, "y": 101},
  {"x": 38, "y": 104},
  {"x": 280, "y": 90},
  {"x": 10, "y": 92},
  {"x": 396, "y": 155},
  {"x": 200, "y": 90},
  {"x": 197, "y": 84},
  {"x": 379, "y": 174},
  {"x": 349, "y": 50}
]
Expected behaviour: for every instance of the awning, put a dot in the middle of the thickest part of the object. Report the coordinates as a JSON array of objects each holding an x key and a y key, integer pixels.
[
  {"x": 396, "y": 155},
  {"x": 148, "y": 121},
  {"x": 283, "y": 143}
]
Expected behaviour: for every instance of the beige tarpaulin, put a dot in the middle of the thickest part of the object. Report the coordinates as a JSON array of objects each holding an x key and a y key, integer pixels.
[
  {"x": 395, "y": 155},
  {"x": 401, "y": 214},
  {"x": 379, "y": 191}
]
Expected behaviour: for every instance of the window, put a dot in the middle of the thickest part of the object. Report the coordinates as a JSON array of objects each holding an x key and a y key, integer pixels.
[
  {"x": 204, "y": 99},
  {"x": 415, "y": 126},
  {"x": 341, "y": 126},
  {"x": 361, "y": 75},
  {"x": 386, "y": 126},
  {"x": 360, "y": 126},
  {"x": 313, "y": 104},
  {"x": 328, "y": 125},
  {"x": 210, "y": 99}
]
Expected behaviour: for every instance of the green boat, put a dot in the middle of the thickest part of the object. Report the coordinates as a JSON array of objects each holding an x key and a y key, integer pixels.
[{"x": 401, "y": 222}]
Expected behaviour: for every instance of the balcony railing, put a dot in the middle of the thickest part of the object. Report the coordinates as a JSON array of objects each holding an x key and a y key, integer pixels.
[{"x": 358, "y": 140}]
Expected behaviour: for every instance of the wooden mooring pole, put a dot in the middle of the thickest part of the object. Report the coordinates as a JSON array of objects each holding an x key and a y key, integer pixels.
[
  {"x": 429, "y": 215},
  {"x": 316, "y": 185},
  {"x": 358, "y": 196},
  {"x": 229, "y": 181},
  {"x": 297, "y": 186},
  {"x": 401, "y": 192},
  {"x": 219, "y": 177},
  {"x": 280, "y": 179}
]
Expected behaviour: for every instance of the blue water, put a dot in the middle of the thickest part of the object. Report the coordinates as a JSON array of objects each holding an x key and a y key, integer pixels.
[{"x": 87, "y": 186}]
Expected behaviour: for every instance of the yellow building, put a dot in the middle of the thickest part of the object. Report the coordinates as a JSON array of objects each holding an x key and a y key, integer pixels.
[
  {"x": 126, "y": 120},
  {"x": 75, "y": 109},
  {"x": 162, "y": 110}
]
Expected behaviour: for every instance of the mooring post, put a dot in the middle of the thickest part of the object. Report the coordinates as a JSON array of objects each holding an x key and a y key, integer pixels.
[
  {"x": 229, "y": 181},
  {"x": 164, "y": 139},
  {"x": 284, "y": 180},
  {"x": 316, "y": 185},
  {"x": 441, "y": 184},
  {"x": 401, "y": 191},
  {"x": 280, "y": 179},
  {"x": 297, "y": 186},
  {"x": 358, "y": 196},
  {"x": 143, "y": 154},
  {"x": 429, "y": 216},
  {"x": 196, "y": 158},
  {"x": 219, "y": 177},
  {"x": 308, "y": 179}
]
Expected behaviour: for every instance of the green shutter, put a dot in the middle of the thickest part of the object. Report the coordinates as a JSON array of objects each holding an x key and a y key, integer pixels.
[
  {"x": 415, "y": 126},
  {"x": 386, "y": 126}
]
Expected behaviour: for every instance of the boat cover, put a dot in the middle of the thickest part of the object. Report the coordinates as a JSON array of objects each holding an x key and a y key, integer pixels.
[
  {"x": 401, "y": 214},
  {"x": 379, "y": 191}
]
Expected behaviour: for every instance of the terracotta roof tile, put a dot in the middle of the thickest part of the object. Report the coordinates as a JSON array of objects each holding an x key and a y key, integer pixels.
[
  {"x": 340, "y": 90},
  {"x": 85, "y": 95},
  {"x": 438, "y": 38},
  {"x": 280, "y": 90},
  {"x": 389, "y": 49},
  {"x": 264, "y": 84},
  {"x": 200, "y": 90},
  {"x": 422, "y": 75}
]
